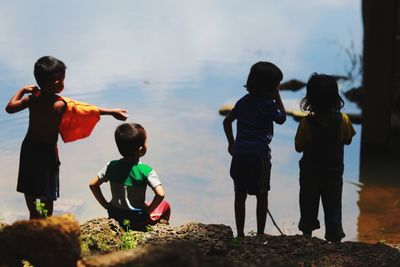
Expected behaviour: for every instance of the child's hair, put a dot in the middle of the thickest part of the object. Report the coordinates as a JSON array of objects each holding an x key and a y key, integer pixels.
[
  {"x": 322, "y": 95},
  {"x": 129, "y": 138},
  {"x": 263, "y": 78},
  {"x": 47, "y": 68}
]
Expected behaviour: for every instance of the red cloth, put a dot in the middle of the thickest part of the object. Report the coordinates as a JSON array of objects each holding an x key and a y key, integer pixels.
[
  {"x": 163, "y": 211},
  {"x": 78, "y": 120}
]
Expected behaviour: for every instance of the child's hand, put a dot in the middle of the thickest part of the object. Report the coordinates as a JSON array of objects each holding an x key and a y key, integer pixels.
[
  {"x": 31, "y": 89},
  {"x": 120, "y": 114},
  {"x": 275, "y": 93}
]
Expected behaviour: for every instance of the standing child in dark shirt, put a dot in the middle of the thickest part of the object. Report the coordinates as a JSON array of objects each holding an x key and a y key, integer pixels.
[
  {"x": 39, "y": 164},
  {"x": 251, "y": 163},
  {"x": 321, "y": 136}
]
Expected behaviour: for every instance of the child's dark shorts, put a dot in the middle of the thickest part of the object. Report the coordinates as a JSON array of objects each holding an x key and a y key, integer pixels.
[
  {"x": 38, "y": 174},
  {"x": 138, "y": 219},
  {"x": 251, "y": 173}
]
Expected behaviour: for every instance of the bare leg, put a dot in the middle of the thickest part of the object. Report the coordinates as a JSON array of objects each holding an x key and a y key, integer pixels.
[
  {"x": 262, "y": 209},
  {"x": 307, "y": 234},
  {"x": 30, "y": 203},
  {"x": 240, "y": 212}
]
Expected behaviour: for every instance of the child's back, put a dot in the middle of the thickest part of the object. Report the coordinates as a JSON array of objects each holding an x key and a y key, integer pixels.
[
  {"x": 128, "y": 182},
  {"x": 325, "y": 138},
  {"x": 129, "y": 179},
  {"x": 45, "y": 115},
  {"x": 321, "y": 137},
  {"x": 255, "y": 117}
]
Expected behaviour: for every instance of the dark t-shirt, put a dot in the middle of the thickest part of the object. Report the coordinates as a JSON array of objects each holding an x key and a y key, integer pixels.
[{"x": 255, "y": 116}]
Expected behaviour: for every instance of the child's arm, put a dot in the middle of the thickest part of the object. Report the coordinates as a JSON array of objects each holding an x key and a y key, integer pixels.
[
  {"x": 19, "y": 101},
  {"x": 159, "y": 195},
  {"x": 96, "y": 190},
  {"x": 278, "y": 100},
  {"x": 302, "y": 136},
  {"x": 347, "y": 130},
  {"x": 119, "y": 114},
  {"x": 229, "y": 132}
]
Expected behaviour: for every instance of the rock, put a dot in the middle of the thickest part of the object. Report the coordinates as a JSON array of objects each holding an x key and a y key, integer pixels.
[
  {"x": 299, "y": 251},
  {"x": 212, "y": 239},
  {"x": 55, "y": 242},
  {"x": 182, "y": 254},
  {"x": 43, "y": 242},
  {"x": 355, "y": 95},
  {"x": 292, "y": 85},
  {"x": 175, "y": 254},
  {"x": 225, "y": 109},
  {"x": 101, "y": 235}
]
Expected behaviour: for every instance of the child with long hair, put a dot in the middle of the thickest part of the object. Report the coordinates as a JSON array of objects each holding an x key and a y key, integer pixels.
[{"x": 321, "y": 136}]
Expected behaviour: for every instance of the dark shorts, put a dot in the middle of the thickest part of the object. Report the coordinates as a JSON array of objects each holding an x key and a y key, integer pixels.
[
  {"x": 138, "y": 219},
  {"x": 251, "y": 173},
  {"x": 39, "y": 170}
]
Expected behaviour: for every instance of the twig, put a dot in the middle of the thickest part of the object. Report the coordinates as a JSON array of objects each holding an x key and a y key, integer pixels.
[{"x": 273, "y": 221}]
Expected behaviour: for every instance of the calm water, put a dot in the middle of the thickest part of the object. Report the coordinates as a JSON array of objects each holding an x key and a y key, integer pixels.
[{"x": 172, "y": 66}]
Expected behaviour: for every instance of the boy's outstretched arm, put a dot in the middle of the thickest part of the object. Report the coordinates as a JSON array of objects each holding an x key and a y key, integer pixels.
[
  {"x": 19, "y": 101},
  {"x": 119, "y": 114},
  {"x": 96, "y": 190},
  {"x": 159, "y": 195},
  {"x": 229, "y": 132}
]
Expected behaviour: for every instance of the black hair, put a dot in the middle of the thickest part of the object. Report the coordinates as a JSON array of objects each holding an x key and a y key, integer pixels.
[
  {"x": 47, "y": 69},
  {"x": 263, "y": 78},
  {"x": 322, "y": 95},
  {"x": 129, "y": 138}
]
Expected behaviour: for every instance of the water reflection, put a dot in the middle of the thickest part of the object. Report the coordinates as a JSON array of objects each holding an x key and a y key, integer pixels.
[{"x": 379, "y": 198}]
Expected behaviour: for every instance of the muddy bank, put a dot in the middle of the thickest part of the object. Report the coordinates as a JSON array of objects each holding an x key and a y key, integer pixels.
[
  {"x": 214, "y": 245},
  {"x": 103, "y": 242}
]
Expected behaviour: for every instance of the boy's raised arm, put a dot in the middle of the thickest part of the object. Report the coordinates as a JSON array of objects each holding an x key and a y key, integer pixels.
[
  {"x": 18, "y": 102},
  {"x": 119, "y": 114}
]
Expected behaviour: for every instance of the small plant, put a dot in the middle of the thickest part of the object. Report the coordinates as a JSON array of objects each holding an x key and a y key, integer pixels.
[
  {"x": 26, "y": 263},
  {"x": 41, "y": 208},
  {"x": 128, "y": 239},
  {"x": 381, "y": 235},
  {"x": 149, "y": 228}
]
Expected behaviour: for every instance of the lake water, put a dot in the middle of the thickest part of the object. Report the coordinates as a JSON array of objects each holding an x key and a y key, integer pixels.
[{"x": 173, "y": 65}]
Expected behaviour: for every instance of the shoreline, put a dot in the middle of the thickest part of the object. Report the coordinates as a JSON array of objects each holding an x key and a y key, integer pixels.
[{"x": 102, "y": 242}]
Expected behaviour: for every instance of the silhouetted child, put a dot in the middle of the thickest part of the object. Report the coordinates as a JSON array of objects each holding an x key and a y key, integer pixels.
[
  {"x": 38, "y": 176},
  {"x": 129, "y": 179},
  {"x": 321, "y": 136},
  {"x": 251, "y": 163}
]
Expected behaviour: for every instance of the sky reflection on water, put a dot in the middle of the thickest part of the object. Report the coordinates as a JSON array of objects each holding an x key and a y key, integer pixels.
[{"x": 172, "y": 65}]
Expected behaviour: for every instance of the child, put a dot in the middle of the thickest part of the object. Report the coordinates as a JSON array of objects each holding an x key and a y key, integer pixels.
[
  {"x": 251, "y": 162},
  {"x": 38, "y": 176},
  {"x": 128, "y": 180},
  {"x": 321, "y": 136}
]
